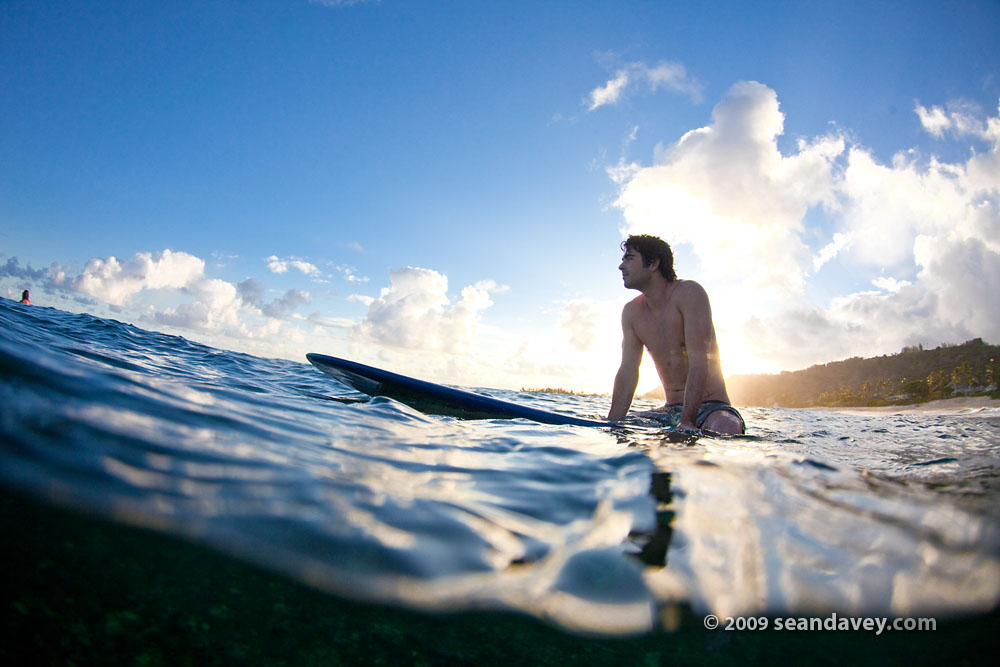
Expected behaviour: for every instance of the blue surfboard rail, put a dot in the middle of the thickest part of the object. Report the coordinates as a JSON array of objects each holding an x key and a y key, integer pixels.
[{"x": 435, "y": 398}]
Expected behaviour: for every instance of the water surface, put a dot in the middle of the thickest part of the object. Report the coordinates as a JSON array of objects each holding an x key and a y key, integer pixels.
[{"x": 601, "y": 530}]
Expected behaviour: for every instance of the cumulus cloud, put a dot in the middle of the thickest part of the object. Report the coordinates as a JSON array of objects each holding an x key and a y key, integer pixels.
[
  {"x": 741, "y": 206},
  {"x": 865, "y": 323},
  {"x": 362, "y": 299},
  {"x": 349, "y": 273},
  {"x": 934, "y": 120},
  {"x": 319, "y": 320},
  {"x": 170, "y": 288},
  {"x": 277, "y": 265},
  {"x": 727, "y": 190},
  {"x": 937, "y": 220},
  {"x": 283, "y": 306},
  {"x": 12, "y": 269},
  {"x": 252, "y": 292},
  {"x": 671, "y": 76},
  {"x": 885, "y": 207},
  {"x": 610, "y": 92},
  {"x": 831, "y": 250},
  {"x": 415, "y": 312},
  {"x": 114, "y": 282},
  {"x": 216, "y": 306},
  {"x": 581, "y": 320},
  {"x": 959, "y": 118},
  {"x": 890, "y": 284},
  {"x": 964, "y": 274}
]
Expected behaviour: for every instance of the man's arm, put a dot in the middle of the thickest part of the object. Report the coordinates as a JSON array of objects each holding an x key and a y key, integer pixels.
[
  {"x": 628, "y": 373},
  {"x": 698, "y": 335}
]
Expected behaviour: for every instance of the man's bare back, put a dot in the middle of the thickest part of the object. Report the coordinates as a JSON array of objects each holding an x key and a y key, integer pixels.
[{"x": 673, "y": 320}]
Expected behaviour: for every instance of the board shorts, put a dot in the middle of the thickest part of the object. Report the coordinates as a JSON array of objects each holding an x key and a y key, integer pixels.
[{"x": 671, "y": 414}]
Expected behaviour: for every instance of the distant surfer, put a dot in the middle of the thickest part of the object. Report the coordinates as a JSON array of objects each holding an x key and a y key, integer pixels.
[
  {"x": 672, "y": 319},
  {"x": 24, "y": 298}
]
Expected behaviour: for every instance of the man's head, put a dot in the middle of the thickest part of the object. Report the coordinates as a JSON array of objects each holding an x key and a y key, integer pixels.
[
  {"x": 652, "y": 248},
  {"x": 24, "y": 295}
]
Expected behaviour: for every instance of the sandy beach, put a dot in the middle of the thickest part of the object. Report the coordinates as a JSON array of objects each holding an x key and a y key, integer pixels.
[{"x": 944, "y": 406}]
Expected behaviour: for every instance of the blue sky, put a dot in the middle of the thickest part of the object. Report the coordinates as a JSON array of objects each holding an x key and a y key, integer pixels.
[{"x": 441, "y": 187}]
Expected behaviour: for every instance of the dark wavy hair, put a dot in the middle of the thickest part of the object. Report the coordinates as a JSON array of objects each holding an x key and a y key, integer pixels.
[{"x": 653, "y": 247}]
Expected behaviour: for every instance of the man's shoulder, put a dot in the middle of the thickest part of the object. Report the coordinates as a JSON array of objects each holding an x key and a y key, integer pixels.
[
  {"x": 631, "y": 310},
  {"x": 689, "y": 289},
  {"x": 634, "y": 304}
]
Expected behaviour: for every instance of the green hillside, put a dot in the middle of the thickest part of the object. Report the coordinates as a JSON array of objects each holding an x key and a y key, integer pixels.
[{"x": 912, "y": 376}]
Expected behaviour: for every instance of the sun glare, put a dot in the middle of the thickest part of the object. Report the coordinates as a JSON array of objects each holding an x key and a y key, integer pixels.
[{"x": 738, "y": 358}]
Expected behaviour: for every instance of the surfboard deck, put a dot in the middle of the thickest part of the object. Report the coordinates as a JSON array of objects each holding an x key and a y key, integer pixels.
[{"x": 435, "y": 398}]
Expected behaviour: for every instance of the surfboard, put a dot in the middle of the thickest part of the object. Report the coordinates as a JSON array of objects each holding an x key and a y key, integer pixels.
[{"x": 435, "y": 398}]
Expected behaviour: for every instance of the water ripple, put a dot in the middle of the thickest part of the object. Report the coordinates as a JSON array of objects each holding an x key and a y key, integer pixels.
[{"x": 592, "y": 529}]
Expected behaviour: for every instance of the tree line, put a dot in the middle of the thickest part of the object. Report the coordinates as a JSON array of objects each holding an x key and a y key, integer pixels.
[{"x": 913, "y": 375}]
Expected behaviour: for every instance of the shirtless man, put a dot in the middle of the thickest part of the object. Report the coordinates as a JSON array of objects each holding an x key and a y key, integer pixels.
[{"x": 673, "y": 320}]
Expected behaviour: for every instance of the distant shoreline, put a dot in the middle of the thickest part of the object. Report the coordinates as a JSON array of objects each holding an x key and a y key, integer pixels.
[{"x": 942, "y": 406}]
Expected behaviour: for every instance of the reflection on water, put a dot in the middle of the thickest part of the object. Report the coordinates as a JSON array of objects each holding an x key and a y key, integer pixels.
[{"x": 655, "y": 543}]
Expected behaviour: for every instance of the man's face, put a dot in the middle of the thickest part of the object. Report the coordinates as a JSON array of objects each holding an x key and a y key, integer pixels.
[{"x": 634, "y": 274}]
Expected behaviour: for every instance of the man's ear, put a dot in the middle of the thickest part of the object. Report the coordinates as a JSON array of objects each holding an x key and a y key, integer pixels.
[{"x": 654, "y": 265}]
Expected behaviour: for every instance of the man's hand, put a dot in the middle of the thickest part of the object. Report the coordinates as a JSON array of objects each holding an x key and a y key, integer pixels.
[{"x": 687, "y": 427}]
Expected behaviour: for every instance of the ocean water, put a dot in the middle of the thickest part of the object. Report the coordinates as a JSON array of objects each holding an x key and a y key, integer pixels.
[{"x": 596, "y": 530}]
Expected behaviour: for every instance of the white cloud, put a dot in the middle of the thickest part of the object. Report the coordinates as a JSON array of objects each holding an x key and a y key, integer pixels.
[
  {"x": 216, "y": 307},
  {"x": 415, "y": 312},
  {"x": 282, "y": 307},
  {"x": 13, "y": 269},
  {"x": 349, "y": 273},
  {"x": 934, "y": 120},
  {"x": 573, "y": 344},
  {"x": 170, "y": 290},
  {"x": 610, "y": 92},
  {"x": 959, "y": 118},
  {"x": 277, "y": 265},
  {"x": 964, "y": 274},
  {"x": 890, "y": 284},
  {"x": 252, "y": 293},
  {"x": 951, "y": 301},
  {"x": 623, "y": 171},
  {"x": 861, "y": 324},
  {"x": 330, "y": 322},
  {"x": 741, "y": 205},
  {"x": 940, "y": 221},
  {"x": 415, "y": 325},
  {"x": 885, "y": 207},
  {"x": 671, "y": 76},
  {"x": 361, "y": 298},
  {"x": 115, "y": 282},
  {"x": 727, "y": 191},
  {"x": 831, "y": 250},
  {"x": 581, "y": 320}
]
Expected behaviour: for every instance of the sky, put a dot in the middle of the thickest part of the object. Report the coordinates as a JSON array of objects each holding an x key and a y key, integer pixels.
[{"x": 441, "y": 188}]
